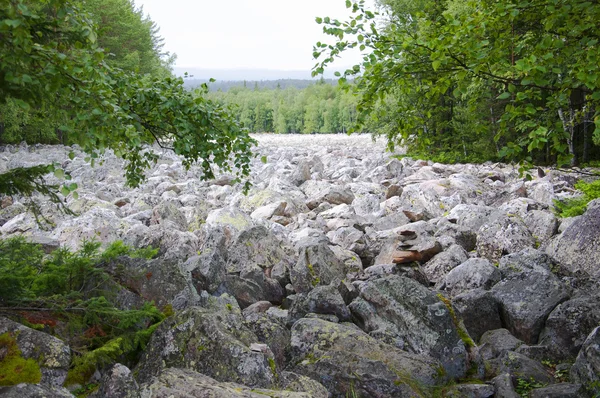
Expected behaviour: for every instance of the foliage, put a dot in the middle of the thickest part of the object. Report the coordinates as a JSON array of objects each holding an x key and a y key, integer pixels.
[
  {"x": 14, "y": 369},
  {"x": 49, "y": 54},
  {"x": 130, "y": 38},
  {"x": 118, "y": 248},
  {"x": 518, "y": 79},
  {"x": 74, "y": 290},
  {"x": 524, "y": 386},
  {"x": 578, "y": 205},
  {"x": 318, "y": 108}
]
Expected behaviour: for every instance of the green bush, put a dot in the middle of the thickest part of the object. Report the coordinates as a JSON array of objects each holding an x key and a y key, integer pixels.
[
  {"x": 74, "y": 290},
  {"x": 577, "y": 206}
]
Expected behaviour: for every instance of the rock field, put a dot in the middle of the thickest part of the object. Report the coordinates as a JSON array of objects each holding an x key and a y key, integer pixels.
[{"x": 344, "y": 272}]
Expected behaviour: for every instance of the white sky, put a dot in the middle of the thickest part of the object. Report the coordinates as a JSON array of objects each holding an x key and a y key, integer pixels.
[{"x": 248, "y": 34}]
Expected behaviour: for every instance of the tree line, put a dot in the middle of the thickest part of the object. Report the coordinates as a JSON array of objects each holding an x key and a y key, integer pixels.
[
  {"x": 318, "y": 108},
  {"x": 476, "y": 79}
]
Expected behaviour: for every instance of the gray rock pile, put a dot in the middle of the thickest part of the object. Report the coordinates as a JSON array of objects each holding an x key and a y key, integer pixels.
[{"x": 343, "y": 272}]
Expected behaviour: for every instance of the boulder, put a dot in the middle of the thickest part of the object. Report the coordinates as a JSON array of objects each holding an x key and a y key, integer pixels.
[
  {"x": 402, "y": 312},
  {"x": 117, "y": 382},
  {"x": 472, "y": 274},
  {"x": 271, "y": 331},
  {"x": 348, "y": 361},
  {"x": 437, "y": 268},
  {"x": 35, "y": 391},
  {"x": 479, "y": 312},
  {"x": 51, "y": 354},
  {"x": 504, "y": 235},
  {"x": 586, "y": 369},
  {"x": 562, "y": 390},
  {"x": 325, "y": 300},
  {"x": 317, "y": 265},
  {"x": 168, "y": 213},
  {"x": 519, "y": 366},
  {"x": 526, "y": 299},
  {"x": 181, "y": 383},
  {"x": 212, "y": 340},
  {"x": 577, "y": 247},
  {"x": 569, "y": 324}
]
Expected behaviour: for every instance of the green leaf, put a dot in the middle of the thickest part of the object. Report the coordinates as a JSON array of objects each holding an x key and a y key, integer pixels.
[
  {"x": 71, "y": 155},
  {"x": 504, "y": 95},
  {"x": 59, "y": 173},
  {"x": 263, "y": 159},
  {"x": 65, "y": 191}
]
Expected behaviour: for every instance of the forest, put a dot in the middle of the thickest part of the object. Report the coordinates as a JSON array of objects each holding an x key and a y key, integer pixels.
[{"x": 454, "y": 81}]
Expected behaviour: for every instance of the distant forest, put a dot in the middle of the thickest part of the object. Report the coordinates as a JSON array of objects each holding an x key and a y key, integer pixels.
[
  {"x": 289, "y": 106},
  {"x": 226, "y": 85}
]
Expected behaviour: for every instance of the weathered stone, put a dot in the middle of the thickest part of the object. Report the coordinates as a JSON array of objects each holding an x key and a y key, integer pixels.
[
  {"x": 117, "y": 382},
  {"x": 526, "y": 299},
  {"x": 404, "y": 313},
  {"x": 479, "y": 311},
  {"x": 168, "y": 213},
  {"x": 569, "y": 325},
  {"x": 211, "y": 340},
  {"x": 577, "y": 247},
  {"x": 520, "y": 367},
  {"x": 183, "y": 383},
  {"x": 437, "y": 268},
  {"x": 317, "y": 265},
  {"x": 272, "y": 332},
  {"x": 344, "y": 359},
  {"x": 52, "y": 355},
  {"x": 503, "y": 236},
  {"x": 495, "y": 343},
  {"x": 469, "y": 391},
  {"x": 503, "y": 386},
  {"x": 35, "y": 391},
  {"x": 325, "y": 300},
  {"x": 562, "y": 390},
  {"x": 586, "y": 369},
  {"x": 472, "y": 274}
]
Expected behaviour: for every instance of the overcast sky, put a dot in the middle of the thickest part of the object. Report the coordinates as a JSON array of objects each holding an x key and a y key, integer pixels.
[{"x": 248, "y": 34}]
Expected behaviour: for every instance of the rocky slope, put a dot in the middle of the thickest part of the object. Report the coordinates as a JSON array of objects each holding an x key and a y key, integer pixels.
[{"x": 343, "y": 272}]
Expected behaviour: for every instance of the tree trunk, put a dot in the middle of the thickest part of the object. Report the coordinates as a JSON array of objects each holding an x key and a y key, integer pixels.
[{"x": 569, "y": 127}]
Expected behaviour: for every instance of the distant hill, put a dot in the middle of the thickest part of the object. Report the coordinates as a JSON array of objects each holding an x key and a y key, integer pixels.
[
  {"x": 247, "y": 74},
  {"x": 225, "y": 86}
]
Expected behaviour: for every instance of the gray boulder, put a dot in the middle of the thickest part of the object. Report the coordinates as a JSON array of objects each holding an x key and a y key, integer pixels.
[
  {"x": 504, "y": 235},
  {"x": 52, "y": 355},
  {"x": 35, "y": 391},
  {"x": 569, "y": 325},
  {"x": 577, "y": 247},
  {"x": 117, "y": 382},
  {"x": 212, "y": 340},
  {"x": 561, "y": 390},
  {"x": 404, "y": 313},
  {"x": 472, "y": 274},
  {"x": 317, "y": 265},
  {"x": 495, "y": 343},
  {"x": 325, "y": 300},
  {"x": 437, "y": 268},
  {"x": 586, "y": 369},
  {"x": 184, "y": 383},
  {"x": 520, "y": 367},
  {"x": 479, "y": 312},
  {"x": 526, "y": 299},
  {"x": 346, "y": 360}
]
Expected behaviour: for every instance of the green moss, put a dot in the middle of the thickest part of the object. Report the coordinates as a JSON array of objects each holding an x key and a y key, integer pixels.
[
  {"x": 14, "y": 369},
  {"x": 273, "y": 367},
  {"x": 577, "y": 206},
  {"x": 462, "y": 333}
]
